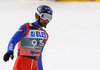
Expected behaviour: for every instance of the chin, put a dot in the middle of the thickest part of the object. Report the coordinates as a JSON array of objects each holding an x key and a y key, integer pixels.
[{"x": 44, "y": 26}]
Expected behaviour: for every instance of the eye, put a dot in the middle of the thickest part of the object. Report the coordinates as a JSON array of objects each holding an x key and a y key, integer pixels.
[{"x": 42, "y": 15}]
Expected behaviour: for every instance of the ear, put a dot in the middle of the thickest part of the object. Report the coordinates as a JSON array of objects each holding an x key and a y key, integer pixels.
[{"x": 36, "y": 15}]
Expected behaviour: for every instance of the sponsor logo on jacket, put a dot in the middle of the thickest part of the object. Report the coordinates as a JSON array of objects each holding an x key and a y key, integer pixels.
[{"x": 38, "y": 34}]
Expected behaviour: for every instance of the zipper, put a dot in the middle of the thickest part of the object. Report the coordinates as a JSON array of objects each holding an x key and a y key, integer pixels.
[{"x": 31, "y": 64}]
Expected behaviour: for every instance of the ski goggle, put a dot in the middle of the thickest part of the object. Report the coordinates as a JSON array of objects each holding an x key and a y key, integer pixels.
[{"x": 45, "y": 16}]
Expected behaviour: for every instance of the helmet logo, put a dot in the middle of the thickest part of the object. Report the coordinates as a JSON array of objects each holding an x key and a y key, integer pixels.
[
  {"x": 39, "y": 9},
  {"x": 48, "y": 11},
  {"x": 47, "y": 8}
]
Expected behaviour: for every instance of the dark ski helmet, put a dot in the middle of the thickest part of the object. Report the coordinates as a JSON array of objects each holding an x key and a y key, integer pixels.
[{"x": 44, "y": 12}]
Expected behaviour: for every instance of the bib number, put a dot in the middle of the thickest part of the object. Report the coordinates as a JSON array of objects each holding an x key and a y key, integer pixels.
[{"x": 34, "y": 43}]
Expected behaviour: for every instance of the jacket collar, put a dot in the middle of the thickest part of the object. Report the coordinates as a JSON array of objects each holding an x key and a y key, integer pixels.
[{"x": 36, "y": 24}]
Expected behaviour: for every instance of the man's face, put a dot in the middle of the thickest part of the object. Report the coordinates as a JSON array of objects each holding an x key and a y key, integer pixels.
[{"x": 43, "y": 23}]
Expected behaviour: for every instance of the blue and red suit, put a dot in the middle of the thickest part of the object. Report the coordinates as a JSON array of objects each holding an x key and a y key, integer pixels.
[{"x": 31, "y": 39}]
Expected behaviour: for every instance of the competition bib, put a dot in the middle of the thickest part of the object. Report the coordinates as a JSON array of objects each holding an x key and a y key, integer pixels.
[
  {"x": 32, "y": 44},
  {"x": 34, "y": 40}
]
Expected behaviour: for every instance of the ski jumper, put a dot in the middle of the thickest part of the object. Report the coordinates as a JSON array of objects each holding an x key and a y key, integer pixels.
[{"x": 31, "y": 39}]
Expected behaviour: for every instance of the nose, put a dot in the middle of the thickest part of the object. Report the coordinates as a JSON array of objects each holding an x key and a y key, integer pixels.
[{"x": 46, "y": 20}]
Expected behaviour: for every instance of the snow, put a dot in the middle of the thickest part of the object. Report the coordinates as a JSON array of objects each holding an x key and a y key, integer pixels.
[{"x": 74, "y": 33}]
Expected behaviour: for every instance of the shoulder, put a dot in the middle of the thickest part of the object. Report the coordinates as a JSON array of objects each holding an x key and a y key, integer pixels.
[{"x": 25, "y": 26}]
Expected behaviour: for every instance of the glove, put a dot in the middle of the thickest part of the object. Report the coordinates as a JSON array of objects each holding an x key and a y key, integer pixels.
[{"x": 8, "y": 55}]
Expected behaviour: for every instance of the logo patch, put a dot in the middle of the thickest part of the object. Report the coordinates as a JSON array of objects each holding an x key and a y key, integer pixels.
[
  {"x": 20, "y": 30},
  {"x": 11, "y": 46},
  {"x": 38, "y": 34},
  {"x": 33, "y": 52}
]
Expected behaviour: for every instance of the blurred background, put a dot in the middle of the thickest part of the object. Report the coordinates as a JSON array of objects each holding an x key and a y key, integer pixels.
[{"x": 74, "y": 32}]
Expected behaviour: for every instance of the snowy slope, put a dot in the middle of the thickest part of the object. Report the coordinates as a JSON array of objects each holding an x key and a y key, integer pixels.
[{"x": 74, "y": 33}]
